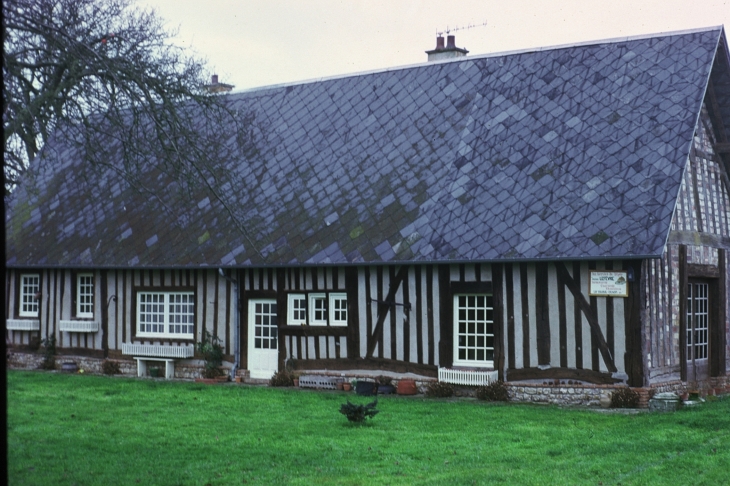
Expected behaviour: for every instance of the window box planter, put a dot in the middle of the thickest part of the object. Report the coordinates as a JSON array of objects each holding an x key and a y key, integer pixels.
[{"x": 23, "y": 325}]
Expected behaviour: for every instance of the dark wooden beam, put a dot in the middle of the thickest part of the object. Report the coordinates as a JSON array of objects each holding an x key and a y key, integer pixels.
[
  {"x": 702, "y": 271},
  {"x": 312, "y": 331},
  {"x": 720, "y": 336},
  {"x": 634, "y": 355},
  {"x": 699, "y": 239},
  {"x": 384, "y": 309},
  {"x": 565, "y": 279},
  {"x": 683, "y": 281},
  {"x": 365, "y": 364},
  {"x": 497, "y": 301},
  {"x": 722, "y": 148},
  {"x": 590, "y": 376},
  {"x": 353, "y": 316},
  {"x": 542, "y": 310}
]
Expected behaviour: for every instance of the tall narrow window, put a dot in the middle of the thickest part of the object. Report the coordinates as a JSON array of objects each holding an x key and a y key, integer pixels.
[
  {"x": 85, "y": 295},
  {"x": 30, "y": 286},
  {"x": 698, "y": 328},
  {"x": 473, "y": 330}
]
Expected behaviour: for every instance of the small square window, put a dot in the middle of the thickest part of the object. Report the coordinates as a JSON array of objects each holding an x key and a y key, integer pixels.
[
  {"x": 318, "y": 309},
  {"x": 338, "y": 309},
  {"x": 297, "y": 310}
]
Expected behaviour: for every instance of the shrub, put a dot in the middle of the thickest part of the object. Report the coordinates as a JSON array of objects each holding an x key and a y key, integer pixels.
[
  {"x": 385, "y": 380},
  {"x": 282, "y": 378},
  {"x": 358, "y": 413},
  {"x": 494, "y": 392},
  {"x": 212, "y": 351},
  {"x": 49, "y": 354},
  {"x": 624, "y": 398},
  {"x": 439, "y": 389},
  {"x": 109, "y": 367}
]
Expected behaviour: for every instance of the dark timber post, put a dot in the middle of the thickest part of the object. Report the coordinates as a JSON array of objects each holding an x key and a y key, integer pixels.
[{"x": 633, "y": 358}]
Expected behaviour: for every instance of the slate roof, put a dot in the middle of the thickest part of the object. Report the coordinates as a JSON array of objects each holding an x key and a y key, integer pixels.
[{"x": 560, "y": 153}]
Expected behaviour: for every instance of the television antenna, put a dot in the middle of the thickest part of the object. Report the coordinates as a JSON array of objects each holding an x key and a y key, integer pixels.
[{"x": 449, "y": 30}]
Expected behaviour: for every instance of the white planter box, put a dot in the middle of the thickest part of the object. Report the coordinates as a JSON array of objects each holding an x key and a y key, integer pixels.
[
  {"x": 23, "y": 325},
  {"x": 468, "y": 377},
  {"x": 158, "y": 350},
  {"x": 78, "y": 326}
]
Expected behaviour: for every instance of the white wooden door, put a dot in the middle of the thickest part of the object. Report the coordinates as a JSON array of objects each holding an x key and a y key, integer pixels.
[{"x": 263, "y": 338}]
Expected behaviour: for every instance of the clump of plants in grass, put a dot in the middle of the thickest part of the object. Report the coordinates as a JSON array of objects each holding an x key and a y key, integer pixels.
[
  {"x": 282, "y": 378},
  {"x": 49, "y": 353},
  {"x": 439, "y": 389},
  {"x": 624, "y": 398},
  {"x": 212, "y": 350},
  {"x": 494, "y": 392},
  {"x": 385, "y": 380},
  {"x": 109, "y": 367},
  {"x": 359, "y": 413}
]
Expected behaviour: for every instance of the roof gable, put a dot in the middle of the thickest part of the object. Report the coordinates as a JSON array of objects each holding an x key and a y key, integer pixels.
[{"x": 574, "y": 152}]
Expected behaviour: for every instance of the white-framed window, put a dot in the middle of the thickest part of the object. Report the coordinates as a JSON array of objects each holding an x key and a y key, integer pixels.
[
  {"x": 85, "y": 295},
  {"x": 30, "y": 287},
  {"x": 338, "y": 309},
  {"x": 166, "y": 314},
  {"x": 297, "y": 309},
  {"x": 473, "y": 330},
  {"x": 318, "y": 309}
]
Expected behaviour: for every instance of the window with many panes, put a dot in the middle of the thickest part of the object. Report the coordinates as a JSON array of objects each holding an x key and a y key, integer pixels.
[
  {"x": 85, "y": 295},
  {"x": 317, "y": 309},
  {"x": 165, "y": 314},
  {"x": 473, "y": 330},
  {"x": 30, "y": 286}
]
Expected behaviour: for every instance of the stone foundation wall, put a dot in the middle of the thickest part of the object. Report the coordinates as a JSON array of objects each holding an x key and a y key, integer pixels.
[
  {"x": 583, "y": 395},
  {"x": 184, "y": 369}
]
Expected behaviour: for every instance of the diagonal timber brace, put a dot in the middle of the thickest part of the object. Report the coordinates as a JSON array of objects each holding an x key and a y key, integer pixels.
[
  {"x": 591, "y": 317},
  {"x": 384, "y": 308}
]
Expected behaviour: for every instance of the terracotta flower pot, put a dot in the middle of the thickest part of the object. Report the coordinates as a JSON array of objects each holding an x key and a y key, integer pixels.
[
  {"x": 407, "y": 387},
  {"x": 346, "y": 386},
  {"x": 296, "y": 382}
]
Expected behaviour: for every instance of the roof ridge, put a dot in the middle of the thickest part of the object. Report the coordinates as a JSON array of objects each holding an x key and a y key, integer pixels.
[{"x": 611, "y": 40}]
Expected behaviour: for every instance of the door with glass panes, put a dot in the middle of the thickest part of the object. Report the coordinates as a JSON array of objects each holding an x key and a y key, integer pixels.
[
  {"x": 263, "y": 338},
  {"x": 698, "y": 323}
]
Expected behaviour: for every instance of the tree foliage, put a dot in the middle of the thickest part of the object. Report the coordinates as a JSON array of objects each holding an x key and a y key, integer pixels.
[{"x": 103, "y": 75}]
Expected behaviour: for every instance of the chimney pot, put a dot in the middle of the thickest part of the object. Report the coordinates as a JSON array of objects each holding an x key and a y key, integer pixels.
[
  {"x": 439, "y": 43},
  {"x": 451, "y": 42},
  {"x": 214, "y": 79}
]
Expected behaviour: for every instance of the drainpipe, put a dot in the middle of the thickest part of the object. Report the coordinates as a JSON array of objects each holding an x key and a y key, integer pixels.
[{"x": 236, "y": 327}]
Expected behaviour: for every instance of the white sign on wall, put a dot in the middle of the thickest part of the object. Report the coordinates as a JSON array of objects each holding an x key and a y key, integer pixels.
[{"x": 608, "y": 284}]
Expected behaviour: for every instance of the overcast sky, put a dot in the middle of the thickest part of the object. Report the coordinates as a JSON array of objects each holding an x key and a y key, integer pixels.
[{"x": 252, "y": 43}]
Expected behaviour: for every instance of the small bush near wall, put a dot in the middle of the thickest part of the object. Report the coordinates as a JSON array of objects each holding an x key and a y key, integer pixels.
[
  {"x": 439, "y": 389},
  {"x": 49, "y": 353},
  {"x": 495, "y": 392},
  {"x": 624, "y": 398},
  {"x": 282, "y": 378},
  {"x": 109, "y": 367}
]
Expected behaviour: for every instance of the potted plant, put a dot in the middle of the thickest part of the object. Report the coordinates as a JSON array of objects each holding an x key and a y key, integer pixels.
[
  {"x": 366, "y": 388},
  {"x": 407, "y": 386},
  {"x": 212, "y": 351},
  {"x": 385, "y": 385}
]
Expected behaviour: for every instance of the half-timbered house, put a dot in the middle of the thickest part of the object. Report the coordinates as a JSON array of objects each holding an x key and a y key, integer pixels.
[{"x": 559, "y": 213}]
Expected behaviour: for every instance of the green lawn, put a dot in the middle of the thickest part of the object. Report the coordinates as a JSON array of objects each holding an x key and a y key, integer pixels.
[{"x": 81, "y": 429}]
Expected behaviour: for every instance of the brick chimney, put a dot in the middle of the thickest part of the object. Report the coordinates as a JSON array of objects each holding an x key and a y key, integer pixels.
[
  {"x": 216, "y": 87},
  {"x": 448, "y": 52}
]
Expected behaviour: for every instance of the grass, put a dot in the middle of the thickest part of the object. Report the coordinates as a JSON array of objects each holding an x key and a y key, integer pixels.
[{"x": 87, "y": 430}]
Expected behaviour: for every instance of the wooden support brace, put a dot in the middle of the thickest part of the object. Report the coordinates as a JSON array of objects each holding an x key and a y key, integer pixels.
[
  {"x": 585, "y": 307},
  {"x": 383, "y": 310}
]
